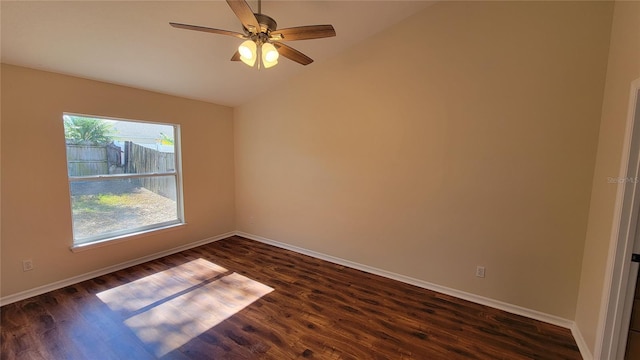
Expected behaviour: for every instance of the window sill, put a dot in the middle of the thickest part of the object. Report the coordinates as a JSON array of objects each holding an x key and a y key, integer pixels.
[{"x": 118, "y": 239}]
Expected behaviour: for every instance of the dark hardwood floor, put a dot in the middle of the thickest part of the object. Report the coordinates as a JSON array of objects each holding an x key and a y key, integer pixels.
[{"x": 241, "y": 299}]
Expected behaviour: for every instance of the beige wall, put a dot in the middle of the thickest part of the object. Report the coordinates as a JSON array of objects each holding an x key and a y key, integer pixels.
[
  {"x": 463, "y": 136},
  {"x": 623, "y": 68},
  {"x": 36, "y": 219}
]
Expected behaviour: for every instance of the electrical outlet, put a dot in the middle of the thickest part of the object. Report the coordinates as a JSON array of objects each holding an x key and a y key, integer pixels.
[
  {"x": 480, "y": 271},
  {"x": 27, "y": 265}
]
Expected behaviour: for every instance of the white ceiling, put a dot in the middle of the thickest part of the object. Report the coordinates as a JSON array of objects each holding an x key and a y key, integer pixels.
[{"x": 131, "y": 43}]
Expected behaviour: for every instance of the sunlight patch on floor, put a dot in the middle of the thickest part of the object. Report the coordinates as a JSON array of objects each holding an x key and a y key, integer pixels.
[{"x": 168, "y": 309}]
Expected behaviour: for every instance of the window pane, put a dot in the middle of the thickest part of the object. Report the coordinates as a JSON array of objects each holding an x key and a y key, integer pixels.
[
  {"x": 98, "y": 146},
  {"x": 117, "y": 206},
  {"x": 137, "y": 197}
]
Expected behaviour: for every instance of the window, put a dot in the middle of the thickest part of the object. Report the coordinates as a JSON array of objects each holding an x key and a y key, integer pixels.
[{"x": 124, "y": 177}]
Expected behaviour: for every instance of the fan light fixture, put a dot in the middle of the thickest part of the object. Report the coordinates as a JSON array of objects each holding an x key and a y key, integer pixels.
[
  {"x": 265, "y": 53},
  {"x": 247, "y": 52},
  {"x": 269, "y": 55}
]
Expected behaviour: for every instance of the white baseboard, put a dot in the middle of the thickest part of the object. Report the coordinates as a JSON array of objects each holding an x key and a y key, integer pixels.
[
  {"x": 582, "y": 345},
  {"x": 514, "y": 309},
  {"x": 90, "y": 275}
]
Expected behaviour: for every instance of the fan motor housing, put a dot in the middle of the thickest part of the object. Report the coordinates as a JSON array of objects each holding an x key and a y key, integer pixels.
[{"x": 267, "y": 24}]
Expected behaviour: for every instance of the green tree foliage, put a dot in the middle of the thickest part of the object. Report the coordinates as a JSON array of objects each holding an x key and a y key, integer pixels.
[
  {"x": 87, "y": 131},
  {"x": 165, "y": 139}
]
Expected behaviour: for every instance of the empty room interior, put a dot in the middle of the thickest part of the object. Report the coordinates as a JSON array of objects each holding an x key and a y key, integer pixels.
[{"x": 334, "y": 180}]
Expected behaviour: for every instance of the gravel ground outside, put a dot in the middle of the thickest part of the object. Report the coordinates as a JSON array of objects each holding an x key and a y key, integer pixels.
[{"x": 101, "y": 207}]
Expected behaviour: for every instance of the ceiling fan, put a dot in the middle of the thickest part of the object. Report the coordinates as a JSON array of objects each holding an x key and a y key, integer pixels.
[{"x": 263, "y": 40}]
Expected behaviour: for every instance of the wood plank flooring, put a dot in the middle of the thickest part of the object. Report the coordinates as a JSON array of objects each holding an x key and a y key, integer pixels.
[{"x": 241, "y": 299}]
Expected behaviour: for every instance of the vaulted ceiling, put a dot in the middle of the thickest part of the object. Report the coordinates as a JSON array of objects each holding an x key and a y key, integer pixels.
[{"x": 131, "y": 43}]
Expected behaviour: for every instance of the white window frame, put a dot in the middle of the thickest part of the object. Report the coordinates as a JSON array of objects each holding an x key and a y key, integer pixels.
[{"x": 122, "y": 235}]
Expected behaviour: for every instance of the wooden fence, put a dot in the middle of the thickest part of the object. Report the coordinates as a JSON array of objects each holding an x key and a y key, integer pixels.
[
  {"x": 139, "y": 159},
  {"x": 87, "y": 160}
]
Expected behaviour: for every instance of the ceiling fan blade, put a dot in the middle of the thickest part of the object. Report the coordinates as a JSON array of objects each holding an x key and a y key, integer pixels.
[
  {"x": 236, "y": 56},
  {"x": 304, "y": 32},
  {"x": 245, "y": 15},
  {"x": 293, "y": 54},
  {"x": 206, "y": 29}
]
